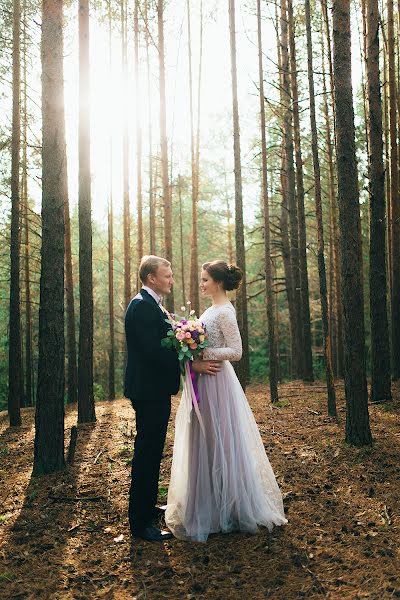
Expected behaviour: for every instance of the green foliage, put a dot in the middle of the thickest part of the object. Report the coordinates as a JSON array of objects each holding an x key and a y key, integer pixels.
[
  {"x": 162, "y": 493},
  {"x": 98, "y": 392}
]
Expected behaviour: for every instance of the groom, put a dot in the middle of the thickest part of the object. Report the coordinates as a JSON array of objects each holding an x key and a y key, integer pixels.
[{"x": 152, "y": 376}]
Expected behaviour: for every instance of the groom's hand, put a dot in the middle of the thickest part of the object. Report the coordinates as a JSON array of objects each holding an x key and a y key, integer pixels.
[{"x": 207, "y": 367}]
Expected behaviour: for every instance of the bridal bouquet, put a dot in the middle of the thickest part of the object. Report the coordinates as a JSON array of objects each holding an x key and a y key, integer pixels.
[{"x": 188, "y": 336}]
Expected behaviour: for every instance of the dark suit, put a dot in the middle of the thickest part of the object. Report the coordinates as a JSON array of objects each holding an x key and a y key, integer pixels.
[{"x": 152, "y": 376}]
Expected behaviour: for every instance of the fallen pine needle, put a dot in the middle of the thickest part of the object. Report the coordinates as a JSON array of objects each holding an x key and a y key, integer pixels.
[{"x": 98, "y": 456}]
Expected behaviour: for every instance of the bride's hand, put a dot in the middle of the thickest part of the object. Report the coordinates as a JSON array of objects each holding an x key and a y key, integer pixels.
[{"x": 207, "y": 367}]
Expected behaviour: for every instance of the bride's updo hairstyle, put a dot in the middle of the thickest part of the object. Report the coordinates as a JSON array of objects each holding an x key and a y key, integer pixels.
[{"x": 229, "y": 275}]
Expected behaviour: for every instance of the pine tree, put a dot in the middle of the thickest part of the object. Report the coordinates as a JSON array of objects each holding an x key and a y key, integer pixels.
[
  {"x": 241, "y": 298},
  {"x": 86, "y": 411},
  {"x": 14, "y": 356},
  {"x": 380, "y": 351},
  {"x": 49, "y": 419},
  {"x": 357, "y": 418}
]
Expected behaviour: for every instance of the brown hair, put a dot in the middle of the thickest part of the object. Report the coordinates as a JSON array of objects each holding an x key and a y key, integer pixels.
[
  {"x": 149, "y": 266},
  {"x": 229, "y": 275}
]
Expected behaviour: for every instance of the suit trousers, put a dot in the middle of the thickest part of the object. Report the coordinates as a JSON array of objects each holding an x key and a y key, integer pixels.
[{"x": 152, "y": 415}]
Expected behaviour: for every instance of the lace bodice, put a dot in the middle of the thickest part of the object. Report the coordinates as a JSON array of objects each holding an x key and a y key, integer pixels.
[{"x": 224, "y": 341}]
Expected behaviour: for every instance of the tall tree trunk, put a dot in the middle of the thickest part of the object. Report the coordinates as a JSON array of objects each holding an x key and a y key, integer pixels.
[
  {"x": 194, "y": 252},
  {"x": 307, "y": 362},
  {"x": 111, "y": 351},
  {"x": 290, "y": 189},
  {"x": 363, "y": 60},
  {"x": 49, "y": 419},
  {"x": 283, "y": 219},
  {"x": 320, "y": 227},
  {"x": 394, "y": 198},
  {"x": 15, "y": 384},
  {"x": 181, "y": 241},
  {"x": 164, "y": 148},
  {"x": 86, "y": 411},
  {"x": 380, "y": 351},
  {"x": 273, "y": 365},
  {"x": 138, "y": 140},
  {"x": 72, "y": 369},
  {"x": 243, "y": 367},
  {"x": 228, "y": 218},
  {"x": 152, "y": 225},
  {"x": 387, "y": 167},
  {"x": 357, "y": 418},
  {"x": 28, "y": 306},
  {"x": 339, "y": 308},
  {"x": 333, "y": 258},
  {"x": 332, "y": 202},
  {"x": 72, "y": 372},
  {"x": 125, "y": 161},
  {"x": 285, "y": 248}
]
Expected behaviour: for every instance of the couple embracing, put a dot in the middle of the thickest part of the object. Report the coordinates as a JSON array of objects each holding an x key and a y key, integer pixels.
[{"x": 221, "y": 478}]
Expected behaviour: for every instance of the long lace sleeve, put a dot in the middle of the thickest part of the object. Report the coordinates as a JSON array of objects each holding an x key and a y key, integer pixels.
[{"x": 233, "y": 342}]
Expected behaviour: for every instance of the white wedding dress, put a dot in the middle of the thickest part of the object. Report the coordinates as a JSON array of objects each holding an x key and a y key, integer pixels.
[{"x": 221, "y": 480}]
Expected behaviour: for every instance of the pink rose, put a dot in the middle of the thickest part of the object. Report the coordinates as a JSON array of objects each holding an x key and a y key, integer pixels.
[{"x": 187, "y": 335}]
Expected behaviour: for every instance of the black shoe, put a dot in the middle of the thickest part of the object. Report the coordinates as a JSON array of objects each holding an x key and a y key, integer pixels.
[
  {"x": 152, "y": 534},
  {"x": 159, "y": 512}
]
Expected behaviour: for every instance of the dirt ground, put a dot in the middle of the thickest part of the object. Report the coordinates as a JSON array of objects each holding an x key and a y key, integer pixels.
[{"x": 66, "y": 536}]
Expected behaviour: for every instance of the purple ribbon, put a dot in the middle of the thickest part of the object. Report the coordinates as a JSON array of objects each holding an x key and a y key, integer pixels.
[{"x": 194, "y": 382}]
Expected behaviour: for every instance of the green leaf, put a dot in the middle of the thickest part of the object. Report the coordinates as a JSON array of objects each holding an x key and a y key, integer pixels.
[{"x": 162, "y": 492}]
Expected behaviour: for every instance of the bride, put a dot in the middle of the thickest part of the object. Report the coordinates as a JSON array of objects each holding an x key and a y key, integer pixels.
[{"x": 221, "y": 478}]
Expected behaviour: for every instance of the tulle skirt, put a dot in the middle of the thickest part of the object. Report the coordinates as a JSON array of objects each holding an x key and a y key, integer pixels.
[{"x": 221, "y": 479}]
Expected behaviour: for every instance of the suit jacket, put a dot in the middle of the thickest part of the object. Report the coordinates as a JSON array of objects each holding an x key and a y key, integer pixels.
[{"x": 151, "y": 370}]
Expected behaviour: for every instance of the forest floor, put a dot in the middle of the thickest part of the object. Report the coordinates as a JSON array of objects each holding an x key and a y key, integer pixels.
[{"x": 66, "y": 536}]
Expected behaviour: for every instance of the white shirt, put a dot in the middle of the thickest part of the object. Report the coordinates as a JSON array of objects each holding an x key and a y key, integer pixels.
[{"x": 152, "y": 294}]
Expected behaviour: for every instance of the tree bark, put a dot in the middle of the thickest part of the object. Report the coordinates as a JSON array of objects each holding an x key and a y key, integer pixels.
[
  {"x": 380, "y": 350},
  {"x": 394, "y": 199},
  {"x": 138, "y": 140},
  {"x": 228, "y": 218},
  {"x": 357, "y": 418},
  {"x": 307, "y": 362},
  {"x": 164, "y": 149},
  {"x": 29, "y": 394},
  {"x": 111, "y": 351},
  {"x": 243, "y": 367},
  {"x": 336, "y": 250},
  {"x": 15, "y": 384},
  {"x": 125, "y": 162},
  {"x": 320, "y": 227},
  {"x": 72, "y": 371},
  {"x": 49, "y": 419},
  {"x": 86, "y": 410},
  {"x": 181, "y": 241},
  {"x": 273, "y": 363},
  {"x": 194, "y": 252},
  {"x": 387, "y": 168},
  {"x": 290, "y": 190},
  {"x": 152, "y": 225}
]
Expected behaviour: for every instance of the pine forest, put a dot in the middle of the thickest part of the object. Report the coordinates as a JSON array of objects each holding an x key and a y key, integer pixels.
[{"x": 264, "y": 133}]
